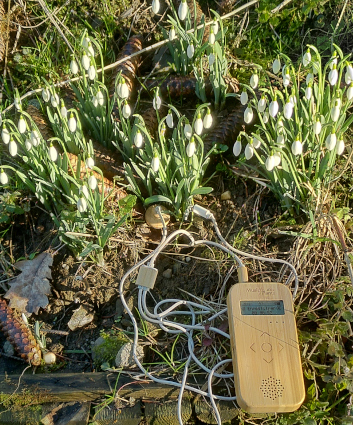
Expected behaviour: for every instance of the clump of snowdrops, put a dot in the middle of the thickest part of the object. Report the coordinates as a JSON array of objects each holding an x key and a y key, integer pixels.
[{"x": 301, "y": 127}]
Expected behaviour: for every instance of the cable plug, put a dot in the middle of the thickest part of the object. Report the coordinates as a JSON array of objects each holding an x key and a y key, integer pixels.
[
  {"x": 147, "y": 277},
  {"x": 203, "y": 212}
]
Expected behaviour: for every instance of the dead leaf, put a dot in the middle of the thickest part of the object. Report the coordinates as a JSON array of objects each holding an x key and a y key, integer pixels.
[{"x": 29, "y": 290}]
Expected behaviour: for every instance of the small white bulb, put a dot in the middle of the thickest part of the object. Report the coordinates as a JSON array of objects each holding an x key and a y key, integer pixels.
[
  {"x": 35, "y": 138},
  {"x": 22, "y": 126},
  {"x": 297, "y": 148},
  {"x": 333, "y": 76},
  {"x": 74, "y": 67},
  {"x": 188, "y": 131},
  {"x": 212, "y": 37},
  {"x": 207, "y": 120},
  {"x": 317, "y": 127},
  {"x": 331, "y": 141},
  {"x": 308, "y": 93},
  {"x": 100, "y": 98},
  {"x": 123, "y": 89},
  {"x": 89, "y": 162},
  {"x": 91, "y": 72},
  {"x": 270, "y": 163},
  {"x": 276, "y": 66},
  {"x": 261, "y": 106},
  {"x": 347, "y": 79},
  {"x": 82, "y": 204},
  {"x": 46, "y": 95},
  {"x": 237, "y": 148},
  {"x": 254, "y": 81},
  {"x": 349, "y": 70},
  {"x": 288, "y": 110},
  {"x": 53, "y": 153},
  {"x": 95, "y": 101},
  {"x": 13, "y": 148},
  {"x": 5, "y": 135},
  {"x": 333, "y": 61},
  {"x": 157, "y": 102},
  {"x": 256, "y": 142},
  {"x": 90, "y": 49},
  {"x": 169, "y": 119},
  {"x": 249, "y": 151},
  {"x": 28, "y": 144},
  {"x": 155, "y": 6},
  {"x": 183, "y": 10},
  {"x": 72, "y": 124},
  {"x": 244, "y": 98},
  {"x": 190, "y": 51},
  {"x": 92, "y": 182},
  {"x": 215, "y": 26},
  {"x": 265, "y": 117},
  {"x": 155, "y": 164},
  {"x": 172, "y": 34},
  {"x": 273, "y": 108},
  {"x": 49, "y": 358},
  {"x": 138, "y": 139},
  {"x": 307, "y": 58},
  {"x": 211, "y": 59},
  {"x": 248, "y": 115},
  {"x": 198, "y": 125},
  {"x": 85, "y": 62},
  {"x": 63, "y": 110},
  {"x": 335, "y": 113},
  {"x": 191, "y": 148},
  {"x": 340, "y": 147},
  {"x": 17, "y": 103},
  {"x": 55, "y": 100},
  {"x": 350, "y": 92},
  {"x": 286, "y": 80},
  {"x": 277, "y": 157},
  {"x": 4, "y": 179},
  {"x": 84, "y": 191},
  {"x": 86, "y": 40},
  {"x": 126, "y": 110}
]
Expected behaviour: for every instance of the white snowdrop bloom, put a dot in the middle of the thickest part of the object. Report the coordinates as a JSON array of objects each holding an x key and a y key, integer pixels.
[
  {"x": 22, "y": 125},
  {"x": 307, "y": 58},
  {"x": 155, "y": 163},
  {"x": 90, "y": 50},
  {"x": 265, "y": 117},
  {"x": 187, "y": 130},
  {"x": 155, "y": 6},
  {"x": 82, "y": 204},
  {"x": 316, "y": 67},
  {"x": 95, "y": 101},
  {"x": 331, "y": 141},
  {"x": 85, "y": 61},
  {"x": 89, "y": 162},
  {"x": 63, "y": 110},
  {"x": 198, "y": 125},
  {"x": 261, "y": 105},
  {"x": 74, "y": 67},
  {"x": 254, "y": 81},
  {"x": 5, "y": 135},
  {"x": 249, "y": 151},
  {"x": 317, "y": 126},
  {"x": 4, "y": 179},
  {"x": 309, "y": 78},
  {"x": 84, "y": 191},
  {"x": 92, "y": 182},
  {"x": 349, "y": 70},
  {"x": 207, "y": 119},
  {"x": 279, "y": 126},
  {"x": 277, "y": 157},
  {"x": 340, "y": 147},
  {"x": 28, "y": 144},
  {"x": 169, "y": 119},
  {"x": 335, "y": 112},
  {"x": 190, "y": 51},
  {"x": 215, "y": 26},
  {"x": 138, "y": 139},
  {"x": 293, "y": 99},
  {"x": 126, "y": 110},
  {"x": 163, "y": 130},
  {"x": 13, "y": 148},
  {"x": 297, "y": 147},
  {"x": 280, "y": 139},
  {"x": 333, "y": 61},
  {"x": 237, "y": 148},
  {"x": 211, "y": 37},
  {"x": 183, "y": 10},
  {"x": 17, "y": 103},
  {"x": 35, "y": 138},
  {"x": 91, "y": 72},
  {"x": 276, "y": 66},
  {"x": 100, "y": 98},
  {"x": 288, "y": 110},
  {"x": 256, "y": 142},
  {"x": 308, "y": 92},
  {"x": 347, "y": 79},
  {"x": 191, "y": 148},
  {"x": 248, "y": 114},
  {"x": 55, "y": 100},
  {"x": 270, "y": 163},
  {"x": 172, "y": 34},
  {"x": 333, "y": 76},
  {"x": 46, "y": 95},
  {"x": 350, "y": 92},
  {"x": 273, "y": 108},
  {"x": 157, "y": 101},
  {"x": 286, "y": 80},
  {"x": 53, "y": 153},
  {"x": 244, "y": 98},
  {"x": 211, "y": 59},
  {"x": 72, "y": 124},
  {"x": 85, "y": 41},
  {"x": 337, "y": 100}
]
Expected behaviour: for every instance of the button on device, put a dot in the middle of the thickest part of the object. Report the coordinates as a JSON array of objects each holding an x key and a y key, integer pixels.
[{"x": 266, "y": 347}]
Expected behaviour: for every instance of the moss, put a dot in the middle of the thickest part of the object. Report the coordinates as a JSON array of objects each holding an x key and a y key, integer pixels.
[{"x": 107, "y": 348}]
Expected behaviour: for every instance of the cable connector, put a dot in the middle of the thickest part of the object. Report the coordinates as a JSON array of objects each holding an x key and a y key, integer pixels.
[
  {"x": 147, "y": 277},
  {"x": 203, "y": 212}
]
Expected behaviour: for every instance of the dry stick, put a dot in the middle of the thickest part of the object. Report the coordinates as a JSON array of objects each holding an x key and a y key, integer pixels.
[
  {"x": 126, "y": 58},
  {"x": 344, "y": 247},
  {"x": 280, "y": 6}
]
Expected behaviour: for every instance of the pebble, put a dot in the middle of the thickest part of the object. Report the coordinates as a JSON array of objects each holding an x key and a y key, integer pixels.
[
  {"x": 226, "y": 196},
  {"x": 168, "y": 273},
  {"x": 81, "y": 317},
  {"x": 188, "y": 259},
  {"x": 125, "y": 358}
]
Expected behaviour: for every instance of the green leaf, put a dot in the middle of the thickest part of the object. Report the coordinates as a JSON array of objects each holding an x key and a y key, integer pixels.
[
  {"x": 157, "y": 198},
  {"x": 201, "y": 191}
]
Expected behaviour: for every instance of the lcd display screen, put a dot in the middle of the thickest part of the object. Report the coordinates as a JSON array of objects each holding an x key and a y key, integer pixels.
[{"x": 262, "y": 308}]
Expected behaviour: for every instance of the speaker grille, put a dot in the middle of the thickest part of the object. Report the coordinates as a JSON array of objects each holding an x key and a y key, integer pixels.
[{"x": 272, "y": 388}]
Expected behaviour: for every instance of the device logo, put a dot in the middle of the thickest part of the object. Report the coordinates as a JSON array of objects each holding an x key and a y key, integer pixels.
[{"x": 261, "y": 291}]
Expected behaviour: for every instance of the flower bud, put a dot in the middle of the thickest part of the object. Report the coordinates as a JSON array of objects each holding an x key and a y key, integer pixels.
[
  {"x": 331, "y": 141},
  {"x": 91, "y": 72},
  {"x": 286, "y": 80},
  {"x": 207, "y": 119},
  {"x": 265, "y": 117},
  {"x": 22, "y": 125},
  {"x": 309, "y": 78},
  {"x": 172, "y": 34},
  {"x": 92, "y": 182},
  {"x": 350, "y": 92},
  {"x": 215, "y": 26},
  {"x": 72, "y": 124},
  {"x": 277, "y": 158},
  {"x": 276, "y": 66},
  {"x": 308, "y": 92},
  {"x": 82, "y": 204},
  {"x": 261, "y": 106},
  {"x": 35, "y": 138},
  {"x": 74, "y": 67},
  {"x": 190, "y": 51},
  {"x": 244, "y": 98},
  {"x": 126, "y": 110},
  {"x": 85, "y": 62},
  {"x": 122, "y": 89},
  {"x": 307, "y": 58},
  {"x": 211, "y": 59},
  {"x": 335, "y": 112},
  {"x": 317, "y": 126},
  {"x": 254, "y": 81},
  {"x": 297, "y": 147},
  {"x": 4, "y": 179},
  {"x": 53, "y": 154},
  {"x": 249, "y": 151},
  {"x": 333, "y": 76},
  {"x": 155, "y": 6},
  {"x": 340, "y": 147},
  {"x": 187, "y": 130},
  {"x": 256, "y": 142},
  {"x": 169, "y": 119},
  {"x": 248, "y": 114},
  {"x": 89, "y": 162},
  {"x": 55, "y": 100},
  {"x": 138, "y": 139},
  {"x": 155, "y": 163},
  {"x": 63, "y": 110},
  {"x": 198, "y": 125},
  {"x": 13, "y": 148},
  {"x": 100, "y": 98},
  {"x": 157, "y": 101},
  {"x": 280, "y": 139},
  {"x": 183, "y": 10},
  {"x": 190, "y": 148},
  {"x": 270, "y": 163},
  {"x": 288, "y": 110},
  {"x": 237, "y": 147},
  {"x": 46, "y": 94},
  {"x": 212, "y": 37},
  {"x": 28, "y": 144},
  {"x": 5, "y": 135},
  {"x": 273, "y": 108}
]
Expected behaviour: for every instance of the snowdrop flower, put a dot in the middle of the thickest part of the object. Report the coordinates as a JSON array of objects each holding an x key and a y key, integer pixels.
[
  {"x": 309, "y": 78},
  {"x": 35, "y": 138},
  {"x": 84, "y": 191},
  {"x": 53, "y": 153},
  {"x": 13, "y": 148},
  {"x": 85, "y": 61},
  {"x": 276, "y": 66},
  {"x": 308, "y": 92},
  {"x": 46, "y": 95},
  {"x": 85, "y": 41},
  {"x": 156, "y": 102},
  {"x": 91, "y": 72},
  {"x": 212, "y": 37},
  {"x": 169, "y": 119},
  {"x": 172, "y": 34},
  {"x": 317, "y": 126},
  {"x": 92, "y": 182},
  {"x": 198, "y": 125},
  {"x": 211, "y": 59},
  {"x": 340, "y": 147},
  {"x": 273, "y": 108},
  {"x": 331, "y": 141},
  {"x": 350, "y": 92},
  {"x": 349, "y": 70},
  {"x": 22, "y": 126},
  {"x": 254, "y": 81},
  {"x": 28, "y": 144},
  {"x": 316, "y": 67},
  {"x": 155, "y": 162},
  {"x": 293, "y": 99},
  {"x": 248, "y": 114},
  {"x": 55, "y": 100},
  {"x": 288, "y": 110},
  {"x": 126, "y": 110},
  {"x": 90, "y": 50},
  {"x": 187, "y": 130},
  {"x": 333, "y": 60},
  {"x": 280, "y": 139},
  {"x": 237, "y": 147},
  {"x": 138, "y": 139},
  {"x": 335, "y": 112},
  {"x": 244, "y": 98},
  {"x": 74, "y": 67},
  {"x": 347, "y": 79},
  {"x": 249, "y": 150},
  {"x": 89, "y": 162},
  {"x": 4, "y": 179},
  {"x": 286, "y": 80},
  {"x": 277, "y": 157},
  {"x": 190, "y": 148},
  {"x": 155, "y": 6},
  {"x": 100, "y": 98},
  {"x": 82, "y": 205},
  {"x": 215, "y": 26},
  {"x": 256, "y": 143},
  {"x": 279, "y": 126},
  {"x": 5, "y": 135},
  {"x": 270, "y": 163},
  {"x": 261, "y": 106},
  {"x": 63, "y": 110},
  {"x": 333, "y": 75},
  {"x": 95, "y": 101},
  {"x": 122, "y": 89},
  {"x": 284, "y": 70},
  {"x": 307, "y": 58},
  {"x": 72, "y": 124},
  {"x": 297, "y": 147},
  {"x": 190, "y": 51},
  {"x": 265, "y": 117},
  {"x": 17, "y": 102},
  {"x": 183, "y": 10},
  {"x": 207, "y": 119}
]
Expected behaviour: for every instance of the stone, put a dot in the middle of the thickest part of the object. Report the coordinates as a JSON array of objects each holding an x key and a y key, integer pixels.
[
  {"x": 167, "y": 273},
  {"x": 125, "y": 358},
  {"x": 226, "y": 196},
  {"x": 81, "y": 317}
]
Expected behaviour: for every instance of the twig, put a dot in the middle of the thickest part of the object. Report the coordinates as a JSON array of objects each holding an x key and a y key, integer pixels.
[{"x": 280, "y": 6}]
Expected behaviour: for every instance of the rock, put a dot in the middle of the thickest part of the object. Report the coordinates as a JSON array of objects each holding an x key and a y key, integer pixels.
[
  {"x": 167, "y": 273},
  {"x": 105, "y": 348},
  {"x": 124, "y": 358},
  {"x": 188, "y": 259},
  {"x": 152, "y": 217},
  {"x": 81, "y": 317},
  {"x": 226, "y": 196}
]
